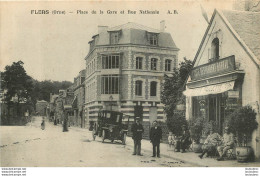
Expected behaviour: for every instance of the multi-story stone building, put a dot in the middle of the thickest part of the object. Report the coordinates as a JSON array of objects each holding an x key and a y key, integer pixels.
[{"x": 125, "y": 67}]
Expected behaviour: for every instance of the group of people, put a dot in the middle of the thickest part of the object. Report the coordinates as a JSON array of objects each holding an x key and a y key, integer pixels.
[
  {"x": 155, "y": 137},
  {"x": 182, "y": 142},
  {"x": 214, "y": 142}
]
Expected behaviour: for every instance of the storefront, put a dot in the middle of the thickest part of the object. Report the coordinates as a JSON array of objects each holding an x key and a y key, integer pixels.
[
  {"x": 226, "y": 71},
  {"x": 215, "y": 90}
]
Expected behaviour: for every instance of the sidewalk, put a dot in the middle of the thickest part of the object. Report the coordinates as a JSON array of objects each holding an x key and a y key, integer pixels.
[
  {"x": 191, "y": 157},
  {"x": 187, "y": 157}
]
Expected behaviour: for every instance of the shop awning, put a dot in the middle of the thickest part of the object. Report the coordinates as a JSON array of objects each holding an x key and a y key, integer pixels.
[{"x": 212, "y": 89}]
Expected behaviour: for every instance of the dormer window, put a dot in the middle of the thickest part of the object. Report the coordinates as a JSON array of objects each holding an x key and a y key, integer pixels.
[
  {"x": 153, "y": 39},
  {"x": 214, "y": 50},
  {"x": 114, "y": 37}
]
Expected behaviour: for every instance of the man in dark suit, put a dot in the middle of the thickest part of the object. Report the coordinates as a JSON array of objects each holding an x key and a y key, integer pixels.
[
  {"x": 184, "y": 140},
  {"x": 155, "y": 137},
  {"x": 137, "y": 129}
]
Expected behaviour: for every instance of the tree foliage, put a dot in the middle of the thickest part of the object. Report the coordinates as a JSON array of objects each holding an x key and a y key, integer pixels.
[
  {"x": 42, "y": 89},
  {"x": 16, "y": 82},
  {"x": 242, "y": 122},
  {"x": 173, "y": 87},
  {"x": 20, "y": 87}
]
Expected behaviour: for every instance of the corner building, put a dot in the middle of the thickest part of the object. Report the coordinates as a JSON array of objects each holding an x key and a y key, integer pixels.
[{"x": 125, "y": 68}]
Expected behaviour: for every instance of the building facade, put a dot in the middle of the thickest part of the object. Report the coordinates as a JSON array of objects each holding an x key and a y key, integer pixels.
[
  {"x": 226, "y": 73},
  {"x": 62, "y": 103},
  {"x": 125, "y": 69},
  {"x": 79, "y": 99},
  {"x": 41, "y": 107}
]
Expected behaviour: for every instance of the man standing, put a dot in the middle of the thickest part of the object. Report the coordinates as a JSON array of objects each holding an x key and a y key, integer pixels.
[
  {"x": 227, "y": 143},
  {"x": 155, "y": 137},
  {"x": 137, "y": 129},
  {"x": 65, "y": 122}
]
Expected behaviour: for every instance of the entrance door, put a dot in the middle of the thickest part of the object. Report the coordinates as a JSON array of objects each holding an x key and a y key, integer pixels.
[{"x": 215, "y": 111}]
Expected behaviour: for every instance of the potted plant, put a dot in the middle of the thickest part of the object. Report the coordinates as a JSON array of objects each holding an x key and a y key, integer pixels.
[
  {"x": 196, "y": 128},
  {"x": 242, "y": 123}
]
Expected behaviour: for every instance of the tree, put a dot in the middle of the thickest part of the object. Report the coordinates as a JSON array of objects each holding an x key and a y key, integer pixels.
[
  {"x": 171, "y": 96},
  {"x": 42, "y": 89},
  {"x": 17, "y": 84}
]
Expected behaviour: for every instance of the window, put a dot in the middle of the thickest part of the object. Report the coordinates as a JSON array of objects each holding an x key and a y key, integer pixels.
[
  {"x": 110, "y": 84},
  {"x": 153, "y": 88},
  {"x": 168, "y": 65},
  {"x": 139, "y": 62},
  {"x": 153, "y": 63},
  {"x": 114, "y": 37},
  {"x": 153, "y": 38},
  {"x": 214, "y": 49},
  {"x": 110, "y": 61},
  {"x": 138, "y": 88}
]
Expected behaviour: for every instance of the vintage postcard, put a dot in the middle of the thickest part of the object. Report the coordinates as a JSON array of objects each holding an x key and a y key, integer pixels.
[{"x": 130, "y": 84}]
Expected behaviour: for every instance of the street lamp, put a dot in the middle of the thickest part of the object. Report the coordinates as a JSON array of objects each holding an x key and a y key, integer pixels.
[{"x": 111, "y": 99}]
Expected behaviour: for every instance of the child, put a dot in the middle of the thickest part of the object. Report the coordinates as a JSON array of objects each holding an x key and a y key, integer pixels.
[
  {"x": 171, "y": 140},
  {"x": 43, "y": 124}
]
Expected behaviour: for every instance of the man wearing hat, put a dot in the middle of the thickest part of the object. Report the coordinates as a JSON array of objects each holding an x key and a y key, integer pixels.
[
  {"x": 137, "y": 129},
  {"x": 227, "y": 143},
  {"x": 155, "y": 137}
]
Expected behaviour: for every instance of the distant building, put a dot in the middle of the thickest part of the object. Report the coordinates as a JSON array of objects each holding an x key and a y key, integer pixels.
[
  {"x": 226, "y": 73},
  {"x": 79, "y": 99},
  {"x": 61, "y": 104},
  {"x": 125, "y": 67},
  {"x": 41, "y": 107}
]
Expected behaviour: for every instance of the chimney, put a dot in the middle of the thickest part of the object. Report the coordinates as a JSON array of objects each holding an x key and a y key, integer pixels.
[
  {"x": 162, "y": 26},
  {"x": 102, "y": 29}
]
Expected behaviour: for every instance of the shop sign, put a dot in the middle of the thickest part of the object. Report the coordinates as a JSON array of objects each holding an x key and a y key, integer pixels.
[
  {"x": 211, "y": 69},
  {"x": 232, "y": 104},
  {"x": 233, "y": 94}
]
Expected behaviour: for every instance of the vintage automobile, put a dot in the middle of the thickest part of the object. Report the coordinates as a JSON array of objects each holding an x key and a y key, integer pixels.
[{"x": 110, "y": 125}]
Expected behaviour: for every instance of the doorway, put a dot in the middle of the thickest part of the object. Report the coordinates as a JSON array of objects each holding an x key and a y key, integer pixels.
[{"x": 216, "y": 111}]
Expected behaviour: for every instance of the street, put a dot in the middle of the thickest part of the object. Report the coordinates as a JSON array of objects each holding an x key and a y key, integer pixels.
[{"x": 29, "y": 146}]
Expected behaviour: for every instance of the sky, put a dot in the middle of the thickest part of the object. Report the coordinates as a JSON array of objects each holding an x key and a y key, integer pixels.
[{"x": 53, "y": 47}]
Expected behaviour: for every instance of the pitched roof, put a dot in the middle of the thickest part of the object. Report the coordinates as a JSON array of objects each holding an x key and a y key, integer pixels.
[
  {"x": 131, "y": 25},
  {"x": 247, "y": 25}
]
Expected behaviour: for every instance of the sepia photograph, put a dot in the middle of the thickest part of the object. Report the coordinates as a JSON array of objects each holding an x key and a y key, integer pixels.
[{"x": 130, "y": 84}]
